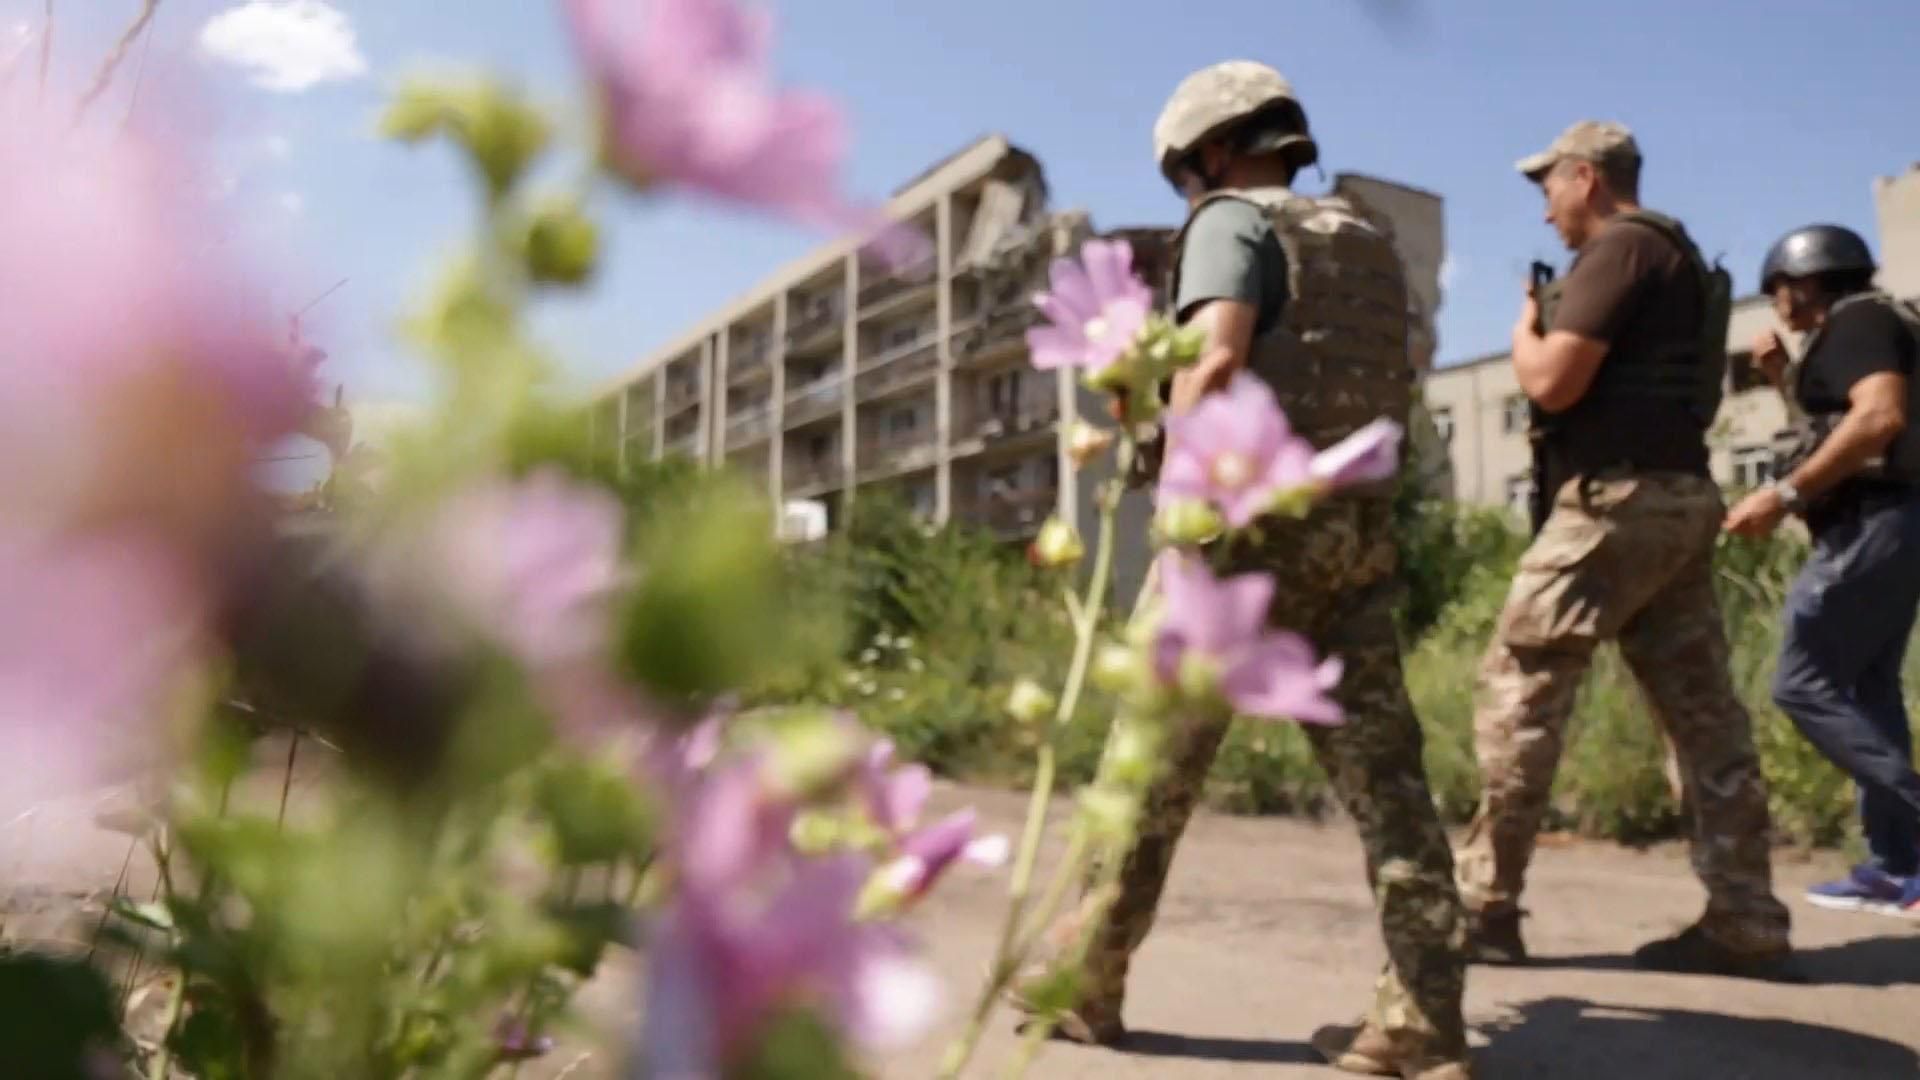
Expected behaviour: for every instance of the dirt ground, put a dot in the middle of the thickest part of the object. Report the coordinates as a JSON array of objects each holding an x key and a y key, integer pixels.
[{"x": 1266, "y": 932}]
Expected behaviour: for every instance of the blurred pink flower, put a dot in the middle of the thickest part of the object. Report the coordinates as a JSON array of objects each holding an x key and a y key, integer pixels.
[
  {"x": 141, "y": 384},
  {"x": 534, "y": 561},
  {"x": 143, "y": 375},
  {"x": 687, "y": 91},
  {"x": 1097, "y": 307},
  {"x": 1235, "y": 451},
  {"x": 1367, "y": 455},
  {"x": 895, "y": 799},
  {"x": 1222, "y": 624},
  {"x": 94, "y": 633},
  {"x": 723, "y": 965}
]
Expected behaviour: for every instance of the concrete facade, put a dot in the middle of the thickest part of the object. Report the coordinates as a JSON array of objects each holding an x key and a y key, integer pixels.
[
  {"x": 834, "y": 376},
  {"x": 1481, "y": 415}
]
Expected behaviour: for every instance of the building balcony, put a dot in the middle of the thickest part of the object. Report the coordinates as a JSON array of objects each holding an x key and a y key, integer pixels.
[
  {"x": 990, "y": 333},
  {"x": 814, "y": 400},
  {"x": 1010, "y": 514},
  {"x": 748, "y": 361},
  {"x": 815, "y": 323},
  {"x": 908, "y": 279},
  {"x": 679, "y": 395},
  {"x": 895, "y": 454},
  {"x": 1012, "y": 423},
  {"x": 899, "y": 367},
  {"x": 749, "y": 426},
  {"x": 687, "y": 446},
  {"x": 809, "y": 478}
]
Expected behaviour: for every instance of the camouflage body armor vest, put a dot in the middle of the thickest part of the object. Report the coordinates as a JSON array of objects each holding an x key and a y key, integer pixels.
[{"x": 1339, "y": 359}]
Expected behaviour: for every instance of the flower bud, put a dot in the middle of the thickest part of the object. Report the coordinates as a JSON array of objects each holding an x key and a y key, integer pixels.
[
  {"x": 1086, "y": 442},
  {"x": 1188, "y": 521},
  {"x": 1117, "y": 668},
  {"x": 1198, "y": 677},
  {"x": 1296, "y": 502},
  {"x": 1057, "y": 545},
  {"x": 815, "y": 833},
  {"x": 1029, "y": 703},
  {"x": 1132, "y": 756},
  {"x": 1107, "y": 814},
  {"x": 561, "y": 244}
]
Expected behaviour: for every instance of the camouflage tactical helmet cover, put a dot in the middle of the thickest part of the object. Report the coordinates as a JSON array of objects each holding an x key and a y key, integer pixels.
[{"x": 1214, "y": 99}]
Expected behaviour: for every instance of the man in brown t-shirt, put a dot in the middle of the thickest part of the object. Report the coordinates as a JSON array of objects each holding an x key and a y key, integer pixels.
[{"x": 1625, "y": 554}]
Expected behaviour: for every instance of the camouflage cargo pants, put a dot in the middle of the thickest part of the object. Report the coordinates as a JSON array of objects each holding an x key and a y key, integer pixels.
[
  {"x": 1335, "y": 573},
  {"x": 1629, "y": 558}
]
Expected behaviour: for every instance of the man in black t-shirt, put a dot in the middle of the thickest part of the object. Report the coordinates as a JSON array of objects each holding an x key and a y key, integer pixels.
[{"x": 1851, "y": 611}]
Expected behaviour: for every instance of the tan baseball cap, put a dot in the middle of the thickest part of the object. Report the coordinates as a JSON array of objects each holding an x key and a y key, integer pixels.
[{"x": 1598, "y": 141}]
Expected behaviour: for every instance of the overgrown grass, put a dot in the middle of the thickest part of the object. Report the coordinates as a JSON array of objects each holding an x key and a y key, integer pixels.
[{"x": 924, "y": 632}]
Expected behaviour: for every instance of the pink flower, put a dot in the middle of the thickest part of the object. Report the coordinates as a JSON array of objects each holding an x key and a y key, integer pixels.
[
  {"x": 1367, "y": 455},
  {"x": 1097, "y": 307},
  {"x": 1234, "y": 450},
  {"x": 723, "y": 965},
  {"x": 687, "y": 90},
  {"x": 143, "y": 375},
  {"x": 142, "y": 383},
  {"x": 94, "y": 633},
  {"x": 1222, "y": 626},
  {"x": 895, "y": 799},
  {"x": 535, "y": 562}
]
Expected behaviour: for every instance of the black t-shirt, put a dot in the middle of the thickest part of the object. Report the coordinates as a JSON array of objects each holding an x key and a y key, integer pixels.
[
  {"x": 1635, "y": 290},
  {"x": 1862, "y": 338}
]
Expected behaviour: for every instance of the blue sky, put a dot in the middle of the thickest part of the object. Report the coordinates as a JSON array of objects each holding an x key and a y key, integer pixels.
[{"x": 1754, "y": 117}]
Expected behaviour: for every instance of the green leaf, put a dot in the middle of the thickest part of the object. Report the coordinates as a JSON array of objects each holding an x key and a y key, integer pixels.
[
  {"x": 210, "y": 1044},
  {"x": 589, "y": 929},
  {"x": 796, "y": 1045},
  {"x": 597, "y": 814},
  {"x": 707, "y": 614},
  {"x": 151, "y": 914},
  {"x": 500, "y": 132},
  {"x": 58, "y": 1017}
]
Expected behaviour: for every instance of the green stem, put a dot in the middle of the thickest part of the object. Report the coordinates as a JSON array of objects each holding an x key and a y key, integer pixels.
[
  {"x": 1005, "y": 957},
  {"x": 176, "y": 1005}
]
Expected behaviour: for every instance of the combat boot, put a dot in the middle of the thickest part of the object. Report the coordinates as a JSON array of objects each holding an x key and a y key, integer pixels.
[
  {"x": 1365, "y": 1049},
  {"x": 1493, "y": 937},
  {"x": 1695, "y": 951}
]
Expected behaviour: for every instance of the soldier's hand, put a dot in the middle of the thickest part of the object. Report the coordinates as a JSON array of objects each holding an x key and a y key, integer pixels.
[
  {"x": 1117, "y": 406},
  {"x": 1529, "y": 315},
  {"x": 1770, "y": 356},
  {"x": 1756, "y": 515}
]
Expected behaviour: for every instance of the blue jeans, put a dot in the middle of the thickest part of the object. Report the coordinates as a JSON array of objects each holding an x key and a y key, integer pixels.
[{"x": 1848, "y": 619}]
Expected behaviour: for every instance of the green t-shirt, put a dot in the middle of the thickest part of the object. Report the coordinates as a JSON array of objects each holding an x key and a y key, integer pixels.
[{"x": 1231, "y": 253}]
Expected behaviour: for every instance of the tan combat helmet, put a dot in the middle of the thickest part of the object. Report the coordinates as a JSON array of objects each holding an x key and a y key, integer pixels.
[{"x": 1213, "y": 99}]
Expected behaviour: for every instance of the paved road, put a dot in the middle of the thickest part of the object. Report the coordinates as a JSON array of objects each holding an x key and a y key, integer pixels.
[{"x": 1266, "y": 933}]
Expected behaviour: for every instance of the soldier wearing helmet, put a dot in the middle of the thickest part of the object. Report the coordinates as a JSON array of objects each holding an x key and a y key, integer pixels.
[
  {"x": 1309, "y": 296},
  {"x": 1852, "y": 470},
  {"x": 1622, "y": 361}
]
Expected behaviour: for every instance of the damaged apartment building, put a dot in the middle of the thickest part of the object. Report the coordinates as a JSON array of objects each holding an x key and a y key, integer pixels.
[{"x": 834, "y": 378}]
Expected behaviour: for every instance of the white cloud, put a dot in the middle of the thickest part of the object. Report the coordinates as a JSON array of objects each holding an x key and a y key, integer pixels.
[
  {"x": 277, "y": 147},
  {"x": 293, "y": 203},
  {"x": 285, "y": 45},
  {"x": 1449, "y": 270}
]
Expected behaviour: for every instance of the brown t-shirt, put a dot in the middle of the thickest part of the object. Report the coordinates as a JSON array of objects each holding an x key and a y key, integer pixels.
[{"x": 1636, "y": 290}]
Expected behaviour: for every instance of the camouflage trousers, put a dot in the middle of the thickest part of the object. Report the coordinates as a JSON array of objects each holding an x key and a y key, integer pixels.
[
  {"x": 1625, "y": 558},
  {"x": 1335, "y": 575}
]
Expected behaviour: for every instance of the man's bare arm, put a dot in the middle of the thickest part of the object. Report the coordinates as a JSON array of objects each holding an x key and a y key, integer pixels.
[{"x": 1229, "y": 339}]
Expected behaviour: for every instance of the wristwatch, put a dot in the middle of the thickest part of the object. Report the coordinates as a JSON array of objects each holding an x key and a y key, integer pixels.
[{"x": 1790, "y": 496}]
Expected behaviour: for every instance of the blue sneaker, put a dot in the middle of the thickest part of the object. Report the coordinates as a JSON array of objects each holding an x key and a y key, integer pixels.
[{"x": 1868, "y": 888}]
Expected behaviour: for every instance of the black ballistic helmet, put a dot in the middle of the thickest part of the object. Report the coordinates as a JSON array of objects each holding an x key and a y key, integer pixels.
[{"x": 1815, "y": 249}]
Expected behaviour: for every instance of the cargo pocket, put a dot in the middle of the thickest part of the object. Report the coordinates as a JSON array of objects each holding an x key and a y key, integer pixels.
[{"x": 1560, "y": 592}]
